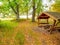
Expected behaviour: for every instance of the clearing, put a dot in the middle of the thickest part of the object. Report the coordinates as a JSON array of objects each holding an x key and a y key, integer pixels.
[{"x": 27, "y": 33}]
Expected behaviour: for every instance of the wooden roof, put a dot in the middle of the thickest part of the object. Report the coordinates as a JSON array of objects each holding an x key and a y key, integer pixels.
[
  {"x": 43, "y": 16},
  {"x": 54, "y": 15}
]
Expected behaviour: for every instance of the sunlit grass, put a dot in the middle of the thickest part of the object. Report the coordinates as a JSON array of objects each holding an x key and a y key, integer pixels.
[
  {"x": 7, "y": 27},
  {"x": 7, "y": 24},
  {"x": 6, "y": 30},
  {"x": 23, "y": 29}
]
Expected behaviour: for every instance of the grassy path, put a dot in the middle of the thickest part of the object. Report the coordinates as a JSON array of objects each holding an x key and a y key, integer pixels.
[
  {"x": 32, "y": 35},
  {"x": 35, "y": 38},
  {"x": 16, "y": 30}
]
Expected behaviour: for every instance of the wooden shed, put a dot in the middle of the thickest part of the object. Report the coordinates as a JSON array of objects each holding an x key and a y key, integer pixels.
[{"x": 46, "y": 15}]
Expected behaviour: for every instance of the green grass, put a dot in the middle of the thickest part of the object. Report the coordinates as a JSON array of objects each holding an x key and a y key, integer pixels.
[
  {"x": 20, "y": 38},
  {"x": 6, "y": 29},
  {"x": 7, "y": 24}
]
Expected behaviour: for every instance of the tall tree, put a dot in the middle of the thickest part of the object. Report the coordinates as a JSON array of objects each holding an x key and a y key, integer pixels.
[
  {"x": 34, "y": 10},
  {"x": 37, "y": 8},
  {"x": 15, "y": 7},
  {"x": 23, "y": 7}
]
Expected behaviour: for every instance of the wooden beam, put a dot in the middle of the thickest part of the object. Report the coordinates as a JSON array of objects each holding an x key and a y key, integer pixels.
[
  {"x": 47, "y": 21},
  {"x": 53, "y": 27},
  {"x": 57, "y": 23},
  {"x": 54, "y": 23}
]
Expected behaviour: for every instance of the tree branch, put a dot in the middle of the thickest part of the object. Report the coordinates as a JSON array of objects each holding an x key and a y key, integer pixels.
[{"x": 12, "y": 7}]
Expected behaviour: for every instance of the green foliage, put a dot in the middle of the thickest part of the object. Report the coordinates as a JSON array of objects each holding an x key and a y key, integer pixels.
[
  {"x": 7, "y": 29},
  {"x": 20, "y": 7},
  {"x": 7, "y": 25},
  {"x": 56, "y": 6},
  {"x": 25, "y": 5},
  {"x": 39, "y": 6}
]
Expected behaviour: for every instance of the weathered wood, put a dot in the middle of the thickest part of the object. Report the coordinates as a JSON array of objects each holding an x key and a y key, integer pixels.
[
  {"x": 57, "y": 27},
  {"x": 54, "y": 15}
]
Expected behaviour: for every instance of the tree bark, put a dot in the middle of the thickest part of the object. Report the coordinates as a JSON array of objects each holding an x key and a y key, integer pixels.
[
  {"x": 33, "y": 14},
  {"x": 17, "y": 15}
]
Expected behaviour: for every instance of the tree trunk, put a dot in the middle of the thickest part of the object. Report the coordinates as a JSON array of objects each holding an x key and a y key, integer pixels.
[
  {"x": 17, "y": 15},
  {"x": 16, "y": 10},
  {"x": 27, "y": 15},
  {"x": 33, "y": 15}
]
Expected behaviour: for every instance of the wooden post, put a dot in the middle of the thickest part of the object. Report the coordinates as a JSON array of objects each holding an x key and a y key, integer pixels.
[
  {"x": 54, "y": 23},
  {"x": 58, "y": 22},
  {"x": 53, "y": 27},
  {"x": 38, "y": 22},
  {"x": 47, "y": 21}
]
